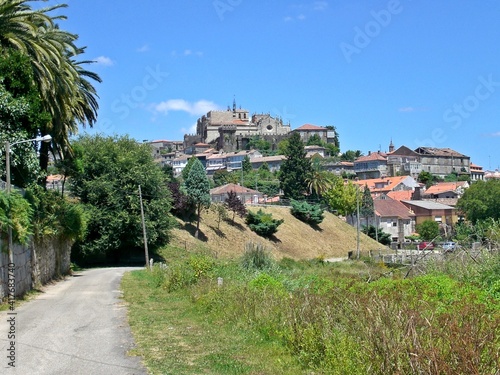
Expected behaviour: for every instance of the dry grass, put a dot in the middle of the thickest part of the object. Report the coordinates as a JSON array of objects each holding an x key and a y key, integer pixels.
[{"x": 333, "y": 238}]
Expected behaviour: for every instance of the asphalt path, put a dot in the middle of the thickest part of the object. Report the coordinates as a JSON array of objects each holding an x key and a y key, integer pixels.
[{"x": 76, "y": 326}]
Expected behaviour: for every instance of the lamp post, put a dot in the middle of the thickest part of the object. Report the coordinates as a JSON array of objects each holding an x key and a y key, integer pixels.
[{"x": 8, "y": 145}]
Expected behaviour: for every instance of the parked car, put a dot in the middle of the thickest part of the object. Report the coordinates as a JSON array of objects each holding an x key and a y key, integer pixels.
[
  {"x": 426, "y": 246},
  {"x": 449, "y": 246}
]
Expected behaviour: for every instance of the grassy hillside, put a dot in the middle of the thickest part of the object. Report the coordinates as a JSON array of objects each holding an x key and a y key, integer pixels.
[{"x": 333, "y": 238}]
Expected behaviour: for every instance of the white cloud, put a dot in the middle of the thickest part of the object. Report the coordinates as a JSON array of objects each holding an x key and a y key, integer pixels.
[
  {"x": 301, "y": 17},
  {"x": 191, "y": 130},
  {"x": 320, "y": 5},
  {"x": 288, "y": 19},
  {"x": 103, "y": 60},
  {"x": 143, "y": 48},
  {"x": 198, "y": 108},
  {"x": 496, "y": 134},
  {"x": 407, "y": 109}
]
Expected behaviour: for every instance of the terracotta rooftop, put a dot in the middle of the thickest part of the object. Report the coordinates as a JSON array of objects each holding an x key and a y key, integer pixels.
[
  {"x": 238, "y": 189},
  {"x": 391, "y": 208},
  {"x": 371, "y": 157},
  {"x": 386, "y": 184},
  {"x": 310, "y": 127},
  {"x": 402, "y": 195},
  {"x": 443, "y": 187}
]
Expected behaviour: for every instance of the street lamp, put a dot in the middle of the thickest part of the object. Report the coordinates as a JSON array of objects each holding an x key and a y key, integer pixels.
[{"x": 8, "y": 145}]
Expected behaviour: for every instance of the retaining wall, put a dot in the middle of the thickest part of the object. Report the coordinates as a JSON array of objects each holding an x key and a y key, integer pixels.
[{"x": 35, "y": 264}]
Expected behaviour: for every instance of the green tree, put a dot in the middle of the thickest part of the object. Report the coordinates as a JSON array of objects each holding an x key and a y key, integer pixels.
[
  {"x": 63, "y": 84},
  {"x": 426, "y": 178},
  {"x": 308, "y": 213},
  {"x": 372, "y": 232},
  {"x": 263, "y": 223},
  {"x": 107, "y": 185},
  {"x": 351, "y": 155},
  {"x": 246, "y": 165},
  {"x": 257, "y": 143},
  {"x": 342, "y": 197},
  {"x": 481, "y": 201},
  {"x": 319, "y": 181},
  {"x": 234, "y": 204},
  {"x": 428, "y": 230},
  {"x": 315, "y": 140},
  {"x": 295, "y": 169},
  {"x": 198, "y": 189},
  {"x": 187, "y": 168},
  {"x": 367, "y": 209}
]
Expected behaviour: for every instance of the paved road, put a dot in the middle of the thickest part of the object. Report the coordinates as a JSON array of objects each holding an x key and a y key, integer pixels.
[{"x": 77, "y": 326}]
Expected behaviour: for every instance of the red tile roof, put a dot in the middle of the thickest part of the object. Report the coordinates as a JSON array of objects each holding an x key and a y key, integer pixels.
[
  {"x": 387, "y": 183},
  {"x": 310, "y": 127},
  {"x": 443, "y": 187},
  {"x": 373, "y": 156},
  {"x": 238, "y": 189},
  {"x": 402, "y": 195},
  {"x": 391, "y": 208}
]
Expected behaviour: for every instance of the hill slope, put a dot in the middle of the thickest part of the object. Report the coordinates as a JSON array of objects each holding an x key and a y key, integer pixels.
[{"x": 294, "y": 238}]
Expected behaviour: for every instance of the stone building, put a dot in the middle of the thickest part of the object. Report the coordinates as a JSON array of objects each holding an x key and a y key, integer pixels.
[
  {"x": 232, "y": 129},
  {"x": 443, "y": 161}
]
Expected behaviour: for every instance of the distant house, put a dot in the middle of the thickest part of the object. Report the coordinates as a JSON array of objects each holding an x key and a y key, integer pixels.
[
  {"x": 234, "y": 160},
  {"x": 393, "y": 217},
  {"x": 54, "y": 182},
  {"x": 492, "y": 175},
  {"x": 273, "y": 162},
  {"x": 403, "y": 161},
  {"x": 246, "y": 195},
  {"x": 339, "y": 168},
  {"x": 385, "y": 185},
  {"x": 446, "y": 190},
  {"x": 428, "y": 210},
  {"x": 373, "y": 165},
  {"x": 314, "y": 150},
  {"x": 476, "y": 172},
  {"x": 443, "y": 161},
  {"x": 306, "y": 131}
]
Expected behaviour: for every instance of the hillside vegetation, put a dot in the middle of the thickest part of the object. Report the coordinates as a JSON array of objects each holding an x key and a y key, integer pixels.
[{"x": 333, "y": 238}]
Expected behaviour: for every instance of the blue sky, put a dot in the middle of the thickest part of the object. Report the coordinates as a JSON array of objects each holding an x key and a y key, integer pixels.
[{"x": 422, "y": 73}]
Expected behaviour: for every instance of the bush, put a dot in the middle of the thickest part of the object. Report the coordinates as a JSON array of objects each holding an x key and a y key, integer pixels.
[
  {"x": 20, "y": 216},
  {"x": 256, "y": 257},
  {"x": 263, "y": 223},
  {"x": 308, "y": 213},
  {"x": 55, "y": 216}
]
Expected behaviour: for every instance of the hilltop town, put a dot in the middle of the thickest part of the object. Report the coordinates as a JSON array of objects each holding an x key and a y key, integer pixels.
[{"x": 402, "y": 199}]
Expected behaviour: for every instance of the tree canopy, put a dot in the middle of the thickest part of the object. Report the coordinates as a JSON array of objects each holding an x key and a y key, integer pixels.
[
  {"x": 47, "y": 74},
  {"x": 295, "y": 169},
  {"x": 107, "y": 185},
  {"x": 481, "y": 201},
  {"x": 197, "y": 189}
]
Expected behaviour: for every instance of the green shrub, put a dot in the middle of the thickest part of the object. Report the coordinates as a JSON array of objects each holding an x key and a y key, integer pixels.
[
  {"x": 180, "y": 275},
  {"x": 263, "y": 223},
  {"x": 256, "y": 256},
  {"x": 15, "y": 212},
  {"x": 311, "y": 214},
  {"x": 55, "y": 215}
]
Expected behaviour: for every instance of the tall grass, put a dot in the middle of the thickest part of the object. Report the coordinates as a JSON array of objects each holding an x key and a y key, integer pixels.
[{"x": 335, "y": 322}]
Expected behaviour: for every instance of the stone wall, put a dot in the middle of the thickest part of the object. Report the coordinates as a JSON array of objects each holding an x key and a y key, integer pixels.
[{"x": 35, "y": 264}]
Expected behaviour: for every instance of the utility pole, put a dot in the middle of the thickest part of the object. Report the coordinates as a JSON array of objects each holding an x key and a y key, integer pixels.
[
  {"x": 144, "y": 230},
  {"x": 357, "y": 222}
]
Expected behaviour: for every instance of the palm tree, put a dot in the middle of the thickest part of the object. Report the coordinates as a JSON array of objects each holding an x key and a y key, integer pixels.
[
  {"x": 63, "y": 84},
  {"x": 319, "y": 181}
]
